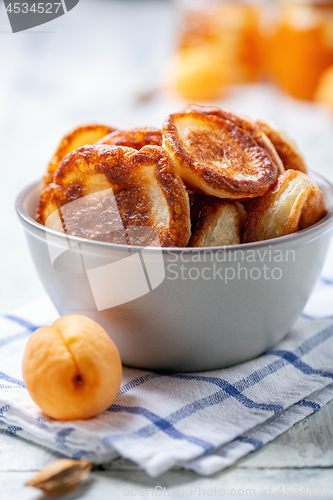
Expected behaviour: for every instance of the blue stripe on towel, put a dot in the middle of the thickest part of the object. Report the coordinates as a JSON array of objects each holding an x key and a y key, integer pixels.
[
  {"x": 231, "y": 390},
  {"x": 29, "y": 326},
  {"x": 138, "y": 381},
  {"x": 14, "y": 429},
  {"x": 256, "y": 443},
  {"x": 326, "y": 281},
  {"x": 13, "y": 338},
  {"x": 159, "y": 424},
  {"x": 61, "y": 435},
  {"x": 311, "y": 404},
  {"x": 12, "y": 380},
  {"x": 4, "y": 410},
  {"x": 300, "y": 365},
  {"x": 315, "y": 318}
]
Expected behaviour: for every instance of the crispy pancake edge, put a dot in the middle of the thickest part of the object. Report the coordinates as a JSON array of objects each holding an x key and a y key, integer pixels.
[
  {"x": 121, "y": 167},
  {"x": 64, "y": 147},
  {"x": 302, "y": 215},
  {"x": 135, "y": 138},
  {"x": 286, "y": 149},
  {"x": 246, "y": 124},
  {"x": 211, "y": 181}
]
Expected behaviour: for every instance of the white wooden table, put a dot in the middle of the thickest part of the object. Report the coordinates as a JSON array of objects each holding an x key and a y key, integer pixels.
[{"x": 96, "y": 64}]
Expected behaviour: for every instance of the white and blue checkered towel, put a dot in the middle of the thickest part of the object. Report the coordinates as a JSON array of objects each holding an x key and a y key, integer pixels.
[{"x": 203, "y": 421}]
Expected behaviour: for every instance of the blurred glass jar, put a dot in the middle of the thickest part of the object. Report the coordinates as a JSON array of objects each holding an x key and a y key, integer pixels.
[
  {"x": 299, "y": 45},
  {"x": 219, "y": 44}
]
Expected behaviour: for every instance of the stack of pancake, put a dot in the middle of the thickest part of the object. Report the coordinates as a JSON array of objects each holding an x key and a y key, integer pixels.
[{"x": 209, "y": 178}]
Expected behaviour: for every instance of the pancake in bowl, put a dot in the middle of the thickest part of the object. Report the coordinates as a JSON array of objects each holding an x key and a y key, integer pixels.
[
  {"x": 219, "y": 223},
  {"x": 81, "y": 136},
  {"x": 294, "y": 203},
  {"x": 117, "y": 188},
  {"x": 135, "y": 138},
  {"x": 244, "y": 123},
  {"x": 285, "y": 147},
  {"x": 216, "y": 157}
]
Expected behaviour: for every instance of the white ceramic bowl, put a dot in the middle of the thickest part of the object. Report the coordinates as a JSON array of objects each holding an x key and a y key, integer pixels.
[{"x": 181, "y": 309}]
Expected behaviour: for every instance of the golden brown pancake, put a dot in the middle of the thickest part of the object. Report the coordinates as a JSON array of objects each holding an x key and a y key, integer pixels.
[
  {"x": 294, "y": 203},
  {"x": 143, "y": 187},
  {"x": 244, "y": 123},
  {"x": 285, "y": 147},
  {"x": 85, "y": 134},
  {"x": 216, "y": 157},
  {"x": 136, "y": 138},
  {"x": 219, "y": 223}
]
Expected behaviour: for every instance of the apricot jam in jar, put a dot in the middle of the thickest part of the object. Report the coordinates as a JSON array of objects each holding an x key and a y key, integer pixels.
[
  {"x": 219, "y": 44},
  {"x": 300, "y": 45}
]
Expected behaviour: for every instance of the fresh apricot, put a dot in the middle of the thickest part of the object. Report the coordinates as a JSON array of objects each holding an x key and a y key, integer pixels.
[{"x": 72, "y": 369}]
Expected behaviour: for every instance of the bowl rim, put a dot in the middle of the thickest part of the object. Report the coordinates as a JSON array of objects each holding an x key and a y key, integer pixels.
[{"x": 326, "y": 222}]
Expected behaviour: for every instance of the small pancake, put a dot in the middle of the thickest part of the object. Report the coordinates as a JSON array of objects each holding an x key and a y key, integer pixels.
[
  {"x": 219, "y": 223},
  {"x": 142, "y": 187},
  {"x": 294, "y": 203},
  {"x": 136, "y": 138},
  {"x": 285, "y": 147},
  {"x": 85, "y": 134},
  {"x": 244, "y": 123},
  {"x": 216, "y": 157}
]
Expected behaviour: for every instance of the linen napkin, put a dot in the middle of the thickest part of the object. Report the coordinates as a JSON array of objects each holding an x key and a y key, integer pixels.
[{"x": 200, "y": 421}]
